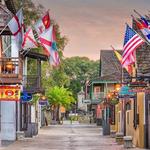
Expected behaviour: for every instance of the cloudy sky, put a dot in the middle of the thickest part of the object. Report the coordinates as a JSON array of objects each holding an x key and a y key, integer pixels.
[{"x": 92, "y": 25}]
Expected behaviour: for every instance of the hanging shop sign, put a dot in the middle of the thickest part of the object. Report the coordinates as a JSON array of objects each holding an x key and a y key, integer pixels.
[
  {"x": 137, "y": 84},
  {"x": 9, "y": 93},
  {"x": 43, "y": 102},
  {"x": 125, "y": 92},
  {"x": 25, "y": 97}
]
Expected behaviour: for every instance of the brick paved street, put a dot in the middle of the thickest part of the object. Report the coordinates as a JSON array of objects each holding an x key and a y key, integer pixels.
[{"x": 67, "y": 137}]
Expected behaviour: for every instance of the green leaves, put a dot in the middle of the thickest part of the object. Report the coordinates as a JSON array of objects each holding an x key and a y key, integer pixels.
[
  {"x": 59, "y": 96},
  {"x": 80, "y": 69}
]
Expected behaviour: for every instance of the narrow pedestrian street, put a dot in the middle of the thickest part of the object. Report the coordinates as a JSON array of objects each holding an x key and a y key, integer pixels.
[{"x": 67, "y": 137}]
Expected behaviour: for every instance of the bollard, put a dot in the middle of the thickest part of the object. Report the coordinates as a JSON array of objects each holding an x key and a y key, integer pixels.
[
  {"x": 119, "y": 138},
  {"x": 128, "y": 141},
  {"x": 112, "y": 133}
]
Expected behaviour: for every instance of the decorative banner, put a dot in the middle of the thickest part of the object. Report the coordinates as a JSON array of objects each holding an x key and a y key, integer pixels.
[
  {"x": 25, "y": 97},
  {"x": 9, "y": 93}
]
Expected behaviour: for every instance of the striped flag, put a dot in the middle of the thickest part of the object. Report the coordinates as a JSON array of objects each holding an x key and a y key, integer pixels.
[
  {"x": 128, "y": 68},
  {"x": 131, "y": 42}
]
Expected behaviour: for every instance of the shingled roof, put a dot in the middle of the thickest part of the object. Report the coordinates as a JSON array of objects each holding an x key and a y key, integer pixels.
[
  {"x": 111, "y": 69},
  {"x": 109, "y": 63},
  {"x": 142, "y": 56}
]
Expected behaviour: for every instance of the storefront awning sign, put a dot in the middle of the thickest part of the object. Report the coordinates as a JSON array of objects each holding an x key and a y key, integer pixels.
[
  {"x": 43, "y": 102},
  {"x": 125, "y": 91},
  {"x": 9, "y": 93}
]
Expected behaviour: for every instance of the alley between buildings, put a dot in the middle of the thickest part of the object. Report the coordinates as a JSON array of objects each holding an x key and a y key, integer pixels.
[{"x": 67, "y": 137}]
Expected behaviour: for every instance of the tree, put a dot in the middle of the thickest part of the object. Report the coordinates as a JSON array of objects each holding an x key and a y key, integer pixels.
[
  {"x": 80, "y": 69},
  {"x": 59, "y": 96}
]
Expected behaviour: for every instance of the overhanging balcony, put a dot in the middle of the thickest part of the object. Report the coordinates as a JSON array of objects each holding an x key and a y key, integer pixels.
[
  {"x": 10, "y": 70},
  {"x": 32, "y": 84}
]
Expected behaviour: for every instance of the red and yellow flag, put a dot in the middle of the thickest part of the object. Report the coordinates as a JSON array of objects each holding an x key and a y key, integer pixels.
[{"x": 128, "y": 68}]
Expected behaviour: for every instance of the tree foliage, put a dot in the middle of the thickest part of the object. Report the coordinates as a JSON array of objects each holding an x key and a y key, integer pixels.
[
  {"x": 80, "y": 69},
  {"x": 60, "y": 96}
]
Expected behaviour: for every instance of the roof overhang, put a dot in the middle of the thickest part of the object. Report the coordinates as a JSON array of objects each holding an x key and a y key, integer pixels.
[{"x": 36, "y": 55}]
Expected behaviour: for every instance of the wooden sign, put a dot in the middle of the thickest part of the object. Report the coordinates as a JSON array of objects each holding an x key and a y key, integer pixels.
[{"x": 9, "y": 93}]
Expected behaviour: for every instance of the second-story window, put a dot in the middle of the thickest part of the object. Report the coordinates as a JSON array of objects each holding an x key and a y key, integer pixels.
[{"x": 6, "y": 46}]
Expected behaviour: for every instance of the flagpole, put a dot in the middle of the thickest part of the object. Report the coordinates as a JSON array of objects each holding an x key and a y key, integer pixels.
[
  {"x": 3, "y": 29},
  {"x": 137, "y": 13},
  {"x": 26, "y": 51},
  {"x": 6, "y": 49}
]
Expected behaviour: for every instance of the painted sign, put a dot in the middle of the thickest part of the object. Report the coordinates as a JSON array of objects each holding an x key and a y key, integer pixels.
[
  {"x": 9, "y": 93},
  {"x": 25, "y": 97},
  {"x": 43, "y": 102}
]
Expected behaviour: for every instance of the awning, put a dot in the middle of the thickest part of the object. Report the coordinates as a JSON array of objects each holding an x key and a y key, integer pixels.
[{"x": 126, "y": 91}]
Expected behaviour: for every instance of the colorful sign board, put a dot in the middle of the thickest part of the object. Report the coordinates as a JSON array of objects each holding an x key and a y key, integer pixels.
[
  {"x": 25, "y": 97},
  {"x": 43, "y": 102},
  {"x": 9, "y": 93}
]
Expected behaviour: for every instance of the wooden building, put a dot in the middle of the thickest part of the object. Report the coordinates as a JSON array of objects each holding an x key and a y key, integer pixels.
[{"x": 16, "y": 115}]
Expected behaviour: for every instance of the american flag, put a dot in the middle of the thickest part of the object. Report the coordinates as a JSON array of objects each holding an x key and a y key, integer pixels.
[{"x": 131, "y": 41}]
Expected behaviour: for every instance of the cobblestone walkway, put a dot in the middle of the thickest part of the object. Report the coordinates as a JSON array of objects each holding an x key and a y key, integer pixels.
[{"x": 67, "y": 137}]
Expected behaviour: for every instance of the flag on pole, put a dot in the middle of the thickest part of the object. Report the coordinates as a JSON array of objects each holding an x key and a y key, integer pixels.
[
  {"x": 29, "y": 40},
  {"x": 16, "y": 26},
  {"x": 45, "y": 40},
  {"x": 43, "y": 23},
  {"x": 145, "y": 22},
  {"x": 131, "y": 42},
  {"x": 54, "y": 58},
  {"x": 128, "y": 68},
  {"x": 144, "y": 29}
]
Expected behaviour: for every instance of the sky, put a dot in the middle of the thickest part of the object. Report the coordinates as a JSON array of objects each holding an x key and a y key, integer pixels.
[{"x": 93, "y": 25}]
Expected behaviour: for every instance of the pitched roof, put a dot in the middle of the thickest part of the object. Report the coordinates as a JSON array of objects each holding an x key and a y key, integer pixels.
[
  {"x": 109, "y": 63},
  {"x": 111, "y": 69}
]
